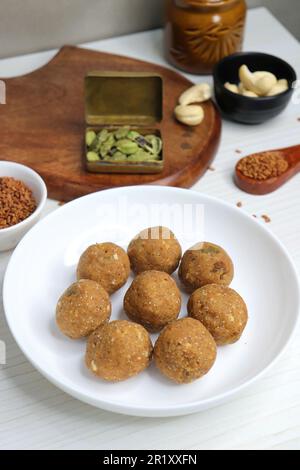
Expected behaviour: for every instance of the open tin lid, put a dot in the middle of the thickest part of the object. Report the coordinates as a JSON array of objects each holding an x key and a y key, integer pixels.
[{"x": 123, "y": 98}]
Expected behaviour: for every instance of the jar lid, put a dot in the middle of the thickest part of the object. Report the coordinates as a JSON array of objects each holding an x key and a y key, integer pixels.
[{"x": 123, "y": 98}]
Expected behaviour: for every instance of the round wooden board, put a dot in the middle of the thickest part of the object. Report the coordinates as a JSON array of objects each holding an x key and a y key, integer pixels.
[{"x": 43, "y": 125}]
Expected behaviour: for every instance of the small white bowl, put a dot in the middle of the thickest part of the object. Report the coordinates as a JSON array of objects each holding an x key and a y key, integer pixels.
[{"x": 10, "y": 237}]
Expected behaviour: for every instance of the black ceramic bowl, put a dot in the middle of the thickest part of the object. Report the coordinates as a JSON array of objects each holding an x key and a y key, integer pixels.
[{"x": 242, "y": 108}]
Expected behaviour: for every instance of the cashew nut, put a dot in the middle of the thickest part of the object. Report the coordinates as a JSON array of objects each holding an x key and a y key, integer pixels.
[
  {"x": 231, "y": 87},
  {"x": 246, "y": 78},
  {"x": 258, "y": 82},
  {"x": 196, "y": 94},
  {"x": 283, "y": 82},
  {"x": 250, "y": 94},
  {"x": 264, "y": 84},
  {"x": 280, "y": 87},
  {"x": 191, "y": 115},
  {"x": 241, "y": 88},
  {"x": 258, "y": 75},
  {"x": 187, "y": 111},
  {"x": 243, "y": 91}
]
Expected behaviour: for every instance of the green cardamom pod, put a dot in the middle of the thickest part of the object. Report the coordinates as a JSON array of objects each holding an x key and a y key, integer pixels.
[
  {"x": 122, "y": 132},
  {"x": 149, "y": 137},
  {"x": 127, "y": 146},
  {"x": 154, "y": 158},
  {"x": 104, "y": 150},
  {"x": 133, "y": 135},
  {"x": 90, "y": 136},
  {"x": 122, "y": 144},
  {"x": 139, "y": 156},
  {"x": 107, "y": 145},
  {"x": 92, "y": 157},
  {"x": 155, "y": 142},
  {"x": 102, "y": 136},
  {"x": 100, "y": 139},
  {"x": 118, "y": 157}
]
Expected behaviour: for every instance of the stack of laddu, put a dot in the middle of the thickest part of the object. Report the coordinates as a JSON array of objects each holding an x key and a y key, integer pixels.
[{"x": 186, "y": 348}]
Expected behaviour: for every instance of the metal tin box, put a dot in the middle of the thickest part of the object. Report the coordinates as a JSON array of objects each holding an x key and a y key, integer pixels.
[{"x": 117, "y": 99}]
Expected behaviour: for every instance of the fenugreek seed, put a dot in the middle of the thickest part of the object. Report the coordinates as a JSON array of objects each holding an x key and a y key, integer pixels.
[
  {"x": 16, "y": 202},
  {"x": 266, "y": 218},
  {"x": 262, "y": 166}
]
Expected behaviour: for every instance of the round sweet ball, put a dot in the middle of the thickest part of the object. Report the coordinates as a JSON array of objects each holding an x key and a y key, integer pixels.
[
  {"x": 82, "y": 308},
  {"x": 205, "y": 263},
  {"x": 153, "y": 300},
  {"x": 105, "y": 263},
  {"x": 118, "y": 350},
  {"x": 185, "y": 351},
  {"x": 155, "y": 248},
  {"x": 221, "y": 310}
]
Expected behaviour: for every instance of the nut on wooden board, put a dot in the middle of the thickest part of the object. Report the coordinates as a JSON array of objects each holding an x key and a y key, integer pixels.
[{"x": 189, "y": 111}]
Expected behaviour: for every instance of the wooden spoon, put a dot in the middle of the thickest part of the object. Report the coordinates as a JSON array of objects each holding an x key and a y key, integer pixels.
[{"x": 254, "y": 186}]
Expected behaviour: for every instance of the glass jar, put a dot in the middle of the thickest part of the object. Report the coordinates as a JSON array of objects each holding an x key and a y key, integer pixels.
[{"x": 198, "y": 33}]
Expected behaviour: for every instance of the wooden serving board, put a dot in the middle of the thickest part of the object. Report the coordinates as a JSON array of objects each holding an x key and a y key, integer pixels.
[{"x": 43, "y": 125}]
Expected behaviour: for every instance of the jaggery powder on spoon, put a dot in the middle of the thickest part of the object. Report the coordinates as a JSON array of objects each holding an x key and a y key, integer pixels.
[
  {"x": 262, "y": 166},
  {"x": 16, "y": 202}
]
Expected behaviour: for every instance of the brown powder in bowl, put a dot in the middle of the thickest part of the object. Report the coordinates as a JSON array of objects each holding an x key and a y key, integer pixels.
[
  {"x": 262, "y": 166},
  {"x": 16, "y": 202}
]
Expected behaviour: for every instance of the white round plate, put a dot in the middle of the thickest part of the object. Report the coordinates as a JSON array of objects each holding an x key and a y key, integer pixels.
[{"x": 43, "y": 265}]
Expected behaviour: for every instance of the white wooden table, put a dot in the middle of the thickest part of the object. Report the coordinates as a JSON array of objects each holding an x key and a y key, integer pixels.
[{"x": 36, "y": 415}]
